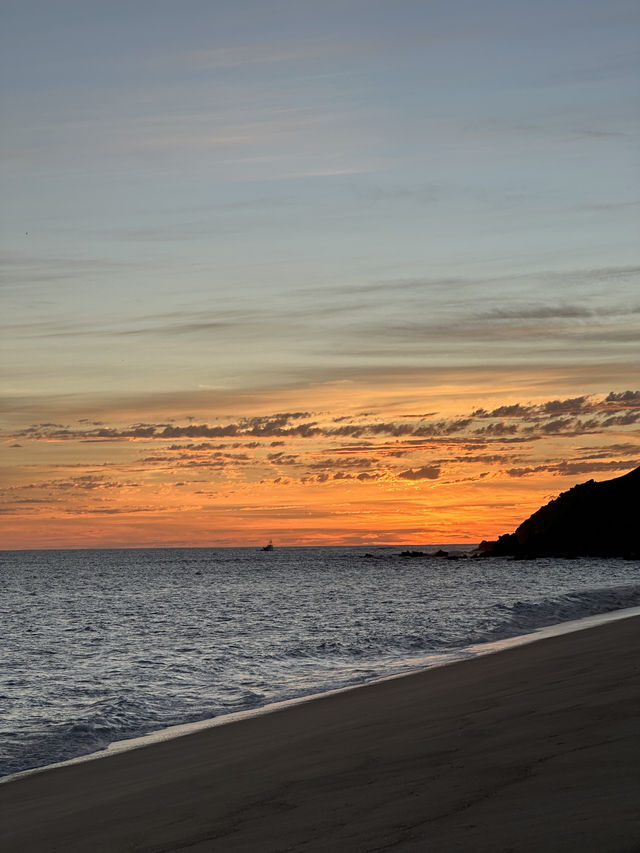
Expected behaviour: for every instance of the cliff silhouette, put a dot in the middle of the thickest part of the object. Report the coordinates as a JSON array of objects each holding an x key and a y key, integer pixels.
[{"x": 590, "y": 520}]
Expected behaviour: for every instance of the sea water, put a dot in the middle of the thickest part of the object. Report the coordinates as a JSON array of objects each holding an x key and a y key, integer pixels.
[{"x": 103, "y": 645}]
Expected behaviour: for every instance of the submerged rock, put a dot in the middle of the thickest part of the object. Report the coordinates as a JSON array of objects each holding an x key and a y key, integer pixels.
[{"x": 590, "y": 520}]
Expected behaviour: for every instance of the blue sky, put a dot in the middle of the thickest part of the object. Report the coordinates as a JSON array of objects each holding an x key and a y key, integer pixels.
[{"x": 224, "y": 194}]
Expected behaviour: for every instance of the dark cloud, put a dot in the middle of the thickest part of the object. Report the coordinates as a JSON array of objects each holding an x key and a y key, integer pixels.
[
  {"x": 621, "y": 420},
  {"x": 567, "y": 468},
  {"x": 461, "y": 283},
  {"x": 628, "y": 398},
  {"x": 186, "y": 328},
  {"x": 85, "y": 482},
  {"x": 208, "y": 464},
  {"x": 216, "y": 460},
  {"x": 525, "y": 471},
  {"x": 558, "y": 425},
  {"x": 427, "y": 472},
  {"x": 24, "y": 270},
  {"x": 205, "y": 445},
  {"x": 497, "y": 429},
  {"x": 110, "y": 510},
  {"x": 611, "y": 450},
  {"x": 278, "y": 424},
  {"x": 282, "y": 458},
  {"x": 537, "y": 312},
  {"x": 485, "y": 458},
  {"x": 557, "y": 416},
  {"x": 275, "y": 425},
  {"x": 325, "y": 476},
  {"x": 344, "y": 462},
  {"x": 570, "y": 405},
  {"x": 516, "y": 410},
  {"x": 573, "y": 468},
  {"x": 563, "y": 426}
]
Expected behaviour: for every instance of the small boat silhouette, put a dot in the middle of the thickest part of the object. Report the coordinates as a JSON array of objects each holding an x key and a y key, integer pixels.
[{"x": 268, "y": 547}]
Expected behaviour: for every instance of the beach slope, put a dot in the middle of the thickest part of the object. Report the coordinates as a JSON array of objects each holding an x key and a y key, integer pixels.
[{"x": 534, "y": 748}]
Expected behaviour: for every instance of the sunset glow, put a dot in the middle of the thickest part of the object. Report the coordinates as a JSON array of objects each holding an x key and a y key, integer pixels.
[
  {"x": 325, "y": 277},
  {"x": 457, "y": 475}
]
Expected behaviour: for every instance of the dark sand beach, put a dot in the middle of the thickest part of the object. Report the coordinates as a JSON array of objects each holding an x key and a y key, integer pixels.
[{"x": 534, "y": 748}]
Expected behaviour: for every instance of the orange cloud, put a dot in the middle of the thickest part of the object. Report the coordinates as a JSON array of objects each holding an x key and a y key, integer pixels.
[{"x": 306, "y": 477}]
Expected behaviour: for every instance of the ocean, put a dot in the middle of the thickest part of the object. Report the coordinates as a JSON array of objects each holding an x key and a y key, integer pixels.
[{"x": 103, "y": 645}]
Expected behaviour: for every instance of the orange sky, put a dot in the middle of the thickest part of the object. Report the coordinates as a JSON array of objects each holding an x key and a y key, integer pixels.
[{"x": 435, "y": 468}]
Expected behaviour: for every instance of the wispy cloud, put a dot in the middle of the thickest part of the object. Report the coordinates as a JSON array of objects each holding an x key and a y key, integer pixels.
[
  {"x": 538, "y": 312},
  {"x": 234, "y": 56},
  {"x": 296, "y": 464},
  {"x": 20, "y": 270},
  {"x": 508, "y": 282},
  {"x": 575, "y": 469},
  {"x": 576, "y": 415}
]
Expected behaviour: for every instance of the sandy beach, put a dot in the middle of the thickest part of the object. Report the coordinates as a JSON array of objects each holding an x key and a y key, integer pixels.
[{"x": 534, "y": 748}]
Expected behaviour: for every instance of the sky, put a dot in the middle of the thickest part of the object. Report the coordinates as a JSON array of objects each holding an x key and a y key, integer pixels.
[{"x": 356, "y": 272}]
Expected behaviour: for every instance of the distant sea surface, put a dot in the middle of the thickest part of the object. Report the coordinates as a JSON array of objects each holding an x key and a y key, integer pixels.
[{"x": 99, "y": 646}]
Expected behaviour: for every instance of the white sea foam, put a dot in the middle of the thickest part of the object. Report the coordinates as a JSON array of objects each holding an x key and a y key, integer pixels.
[
  {"x": 478, "y": 650},
  {"x": 105, "y": 647}
]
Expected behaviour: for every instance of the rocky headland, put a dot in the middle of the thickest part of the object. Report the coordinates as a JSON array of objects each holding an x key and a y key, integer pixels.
[{"x": 590, "y": 520}]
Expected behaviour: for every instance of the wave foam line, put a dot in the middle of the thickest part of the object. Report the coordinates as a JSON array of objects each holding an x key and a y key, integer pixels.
[{"x": 431, "y": 662}]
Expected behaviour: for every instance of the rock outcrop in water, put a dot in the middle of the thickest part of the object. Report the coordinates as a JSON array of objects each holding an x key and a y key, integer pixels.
[{"x": 590, "y": 520}]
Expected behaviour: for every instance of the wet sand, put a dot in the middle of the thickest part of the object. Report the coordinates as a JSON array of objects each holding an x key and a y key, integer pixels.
[{"x": 535, "y": 748}]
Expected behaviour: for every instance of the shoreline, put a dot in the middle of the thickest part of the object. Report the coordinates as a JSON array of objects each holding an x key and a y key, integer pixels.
[
  {"x": 437, "y": 660},
  {"x": 531, "y": 748}
]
